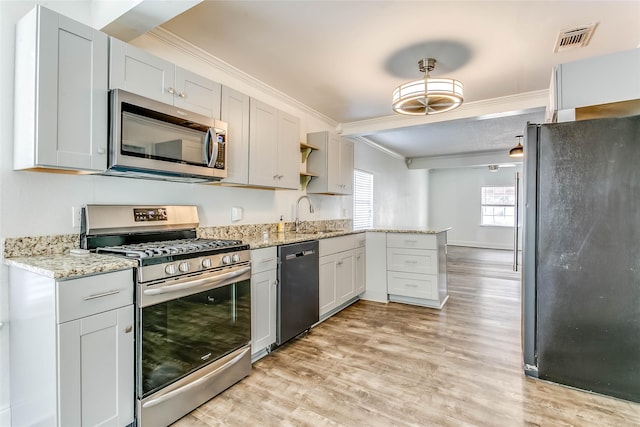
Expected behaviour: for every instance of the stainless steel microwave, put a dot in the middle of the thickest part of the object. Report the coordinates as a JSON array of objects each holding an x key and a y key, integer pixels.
[{"x": 151, "y": 139}]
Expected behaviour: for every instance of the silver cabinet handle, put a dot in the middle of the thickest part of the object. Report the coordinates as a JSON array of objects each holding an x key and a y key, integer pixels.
[
  {"x": 103, "y": 294},
  {"x": 411, "y": 241},
  {"x": 264, "y": 261},
  {"x": 410, "y": 261},
  {"x": 410, "y": 285}
]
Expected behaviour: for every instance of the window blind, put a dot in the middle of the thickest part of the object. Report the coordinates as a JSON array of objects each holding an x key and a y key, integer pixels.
[{"x": 362, "y": 200}]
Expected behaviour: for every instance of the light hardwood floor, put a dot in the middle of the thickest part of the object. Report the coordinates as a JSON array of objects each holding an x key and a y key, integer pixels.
[{"x": 398, "y": 365}]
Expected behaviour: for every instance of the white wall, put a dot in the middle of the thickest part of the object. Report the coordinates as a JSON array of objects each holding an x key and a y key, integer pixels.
[
  {"x": 400, "y": 194},
  {"x": 454, "y": 201}
]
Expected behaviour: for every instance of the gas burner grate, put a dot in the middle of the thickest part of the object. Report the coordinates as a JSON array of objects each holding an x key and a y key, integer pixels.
[{"x": 169, "y": 247}]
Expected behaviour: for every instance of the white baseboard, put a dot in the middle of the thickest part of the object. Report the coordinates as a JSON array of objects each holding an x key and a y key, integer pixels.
[{"x": 484, "y": 245}]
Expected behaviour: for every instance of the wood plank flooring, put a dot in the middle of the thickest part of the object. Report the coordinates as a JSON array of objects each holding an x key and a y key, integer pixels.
[{"x": 399, "y": 365}]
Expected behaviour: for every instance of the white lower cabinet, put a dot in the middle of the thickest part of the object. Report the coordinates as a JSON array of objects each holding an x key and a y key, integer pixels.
[
  {"x": 263, "y": 300},
  {"x": 416, "y": 269},
  {"x": 72, "y": 349},
  {"x": 96, "y": 376},
  {"x": 341, "y": 272}
]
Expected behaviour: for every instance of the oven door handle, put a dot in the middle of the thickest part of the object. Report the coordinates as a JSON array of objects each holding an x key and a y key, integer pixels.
[
  {"x": 172, "y": 393},
  {"x": 210, "y": 282}
]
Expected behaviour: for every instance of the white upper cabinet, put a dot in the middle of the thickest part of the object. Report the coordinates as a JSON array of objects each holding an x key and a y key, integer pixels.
[
  {"x": 333, "y": 163},
  {"x": 60, "y": 94},
  {"x": 274, "y": 147},
  {"x": 594, "y": 81},
  {"x": 235, "y": 112},
  {"x": 136, "y": 70}
]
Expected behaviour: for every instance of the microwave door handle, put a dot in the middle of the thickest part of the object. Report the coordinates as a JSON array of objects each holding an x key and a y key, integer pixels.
[{"x": 210, "y": 141}]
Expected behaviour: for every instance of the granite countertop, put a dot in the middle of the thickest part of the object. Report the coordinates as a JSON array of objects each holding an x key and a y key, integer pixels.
[
  {"x": 412, "y": 229},
  {"x": 67, "y": 266},
  {"x": 70, "y": 266},
  {"x": 275, "y": 239},
  {"x": 293, "y": 237}
]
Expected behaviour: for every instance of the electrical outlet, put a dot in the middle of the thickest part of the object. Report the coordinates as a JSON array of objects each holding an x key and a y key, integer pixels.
[{"x": 76, "y": 213}]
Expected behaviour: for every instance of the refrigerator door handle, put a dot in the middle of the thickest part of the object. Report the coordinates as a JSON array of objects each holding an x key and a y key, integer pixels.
[{"x": 516, "y": 225}]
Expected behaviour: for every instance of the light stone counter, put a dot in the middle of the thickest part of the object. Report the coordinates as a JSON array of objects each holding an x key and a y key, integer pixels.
[{"x": 68, "y": 266}]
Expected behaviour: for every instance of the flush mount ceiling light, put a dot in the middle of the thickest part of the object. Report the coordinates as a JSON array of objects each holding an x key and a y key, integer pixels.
[
  {"x": 518, "y": 150},
  {"x": 428, "y": 95}
]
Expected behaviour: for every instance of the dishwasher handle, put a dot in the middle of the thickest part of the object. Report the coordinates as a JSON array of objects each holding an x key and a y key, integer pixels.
[{"x": 299, "y": 254}]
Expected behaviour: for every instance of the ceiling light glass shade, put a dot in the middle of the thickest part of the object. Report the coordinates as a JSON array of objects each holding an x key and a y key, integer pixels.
[{"x": 428, "y": 96}]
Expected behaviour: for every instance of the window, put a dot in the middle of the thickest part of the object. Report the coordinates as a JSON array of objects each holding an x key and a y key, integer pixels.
[
  {"x": 362, "y": 200},
  {"x": 498, "y": 206}
]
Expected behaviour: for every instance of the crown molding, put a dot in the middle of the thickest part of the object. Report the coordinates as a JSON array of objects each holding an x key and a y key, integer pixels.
[
  {"x": 169, "y": 38},
  {"x": 367, "y": 141},
  {"x": 485, "y": 109}
]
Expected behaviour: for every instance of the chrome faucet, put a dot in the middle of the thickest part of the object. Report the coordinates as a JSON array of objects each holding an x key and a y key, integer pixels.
[{"x": 298, "y": 222}]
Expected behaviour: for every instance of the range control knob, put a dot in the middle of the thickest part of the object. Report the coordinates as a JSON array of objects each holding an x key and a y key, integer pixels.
[
  {"x": 226, "y": 259},
  {"x": 235, "y": 258},
  {"x": 206, "y": 263},
  {"x": 170, "y": 269},
  {"x": 184, "y": 267}
]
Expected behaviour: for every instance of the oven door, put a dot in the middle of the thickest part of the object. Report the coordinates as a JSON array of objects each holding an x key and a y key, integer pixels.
[{"x": 189, "y": 323}]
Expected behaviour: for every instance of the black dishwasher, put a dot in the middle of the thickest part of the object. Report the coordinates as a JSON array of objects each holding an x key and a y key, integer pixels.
[{"x": 298, "y": 305}]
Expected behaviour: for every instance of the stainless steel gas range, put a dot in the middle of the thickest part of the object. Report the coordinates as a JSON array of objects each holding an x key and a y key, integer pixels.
[{"x": 193, "y": 305}]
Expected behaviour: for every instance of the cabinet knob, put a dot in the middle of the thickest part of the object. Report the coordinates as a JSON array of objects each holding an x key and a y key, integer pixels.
[
  {"x": 181, "y": 94},
  {"x": 128, "y": 329},
  {"x": 171, "y": 90}
]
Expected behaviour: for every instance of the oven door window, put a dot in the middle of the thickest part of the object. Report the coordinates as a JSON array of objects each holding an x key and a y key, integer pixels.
[{"x": 181, "y": 335}]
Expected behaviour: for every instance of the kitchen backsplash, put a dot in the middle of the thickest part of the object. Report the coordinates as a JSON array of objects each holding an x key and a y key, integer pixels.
[{"x": 61, "y": 244}]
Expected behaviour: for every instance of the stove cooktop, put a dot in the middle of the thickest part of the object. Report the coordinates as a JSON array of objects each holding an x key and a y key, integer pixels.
[{"x": 193, "y": 247}]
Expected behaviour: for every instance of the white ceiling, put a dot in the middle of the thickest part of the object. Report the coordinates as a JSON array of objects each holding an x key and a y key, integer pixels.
[{"x": 344, "y": 58}]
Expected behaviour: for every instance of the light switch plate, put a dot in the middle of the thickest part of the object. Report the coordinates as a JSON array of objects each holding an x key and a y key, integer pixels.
[{"x": 236, "y": 213}]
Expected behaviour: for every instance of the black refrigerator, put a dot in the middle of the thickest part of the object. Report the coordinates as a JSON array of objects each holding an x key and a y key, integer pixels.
[{"x": 581, "y": 255}]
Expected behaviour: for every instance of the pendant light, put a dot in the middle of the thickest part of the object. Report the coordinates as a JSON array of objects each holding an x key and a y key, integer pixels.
[
  {"x": 428, "y": 95},
  {"x": 518, "y": 150}
]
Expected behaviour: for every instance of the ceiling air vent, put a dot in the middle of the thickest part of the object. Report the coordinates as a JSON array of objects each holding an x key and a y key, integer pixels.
[{"x": 575, "y": 37}]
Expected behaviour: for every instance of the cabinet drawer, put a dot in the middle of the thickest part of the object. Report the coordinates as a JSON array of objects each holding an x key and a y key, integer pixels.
[
  {"x": 93, "y": 294},
  {"x": 264, "y": 259},
  {"x": 412, "y": 260},
  {"x": 411, "y": 241},
  {"x": 413, "y": 285},
  {"x": 333, "y": 245},
  {"x": 360, "y": 240}
]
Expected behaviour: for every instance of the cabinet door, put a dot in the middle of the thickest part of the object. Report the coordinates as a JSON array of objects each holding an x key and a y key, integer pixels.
[
  {"x": 288, "y": 151},
  {"x": 71, "y": 94},
  {"x": 345, "y": 276},
  {"x": 263, "y": 133},
  {"x": 360, "y": 268},
  {"x": 263, "y": 310},
  {"x": 328, "y": 296},
  {"x": 333, "y": 164},
  {"x": 346, "y": 167},
  {"x": 235, "y": 112},
  {"x": 196, "y": 93},
  {"x": 140, "y": 72},
  {"x": 96, "y": 369}
]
